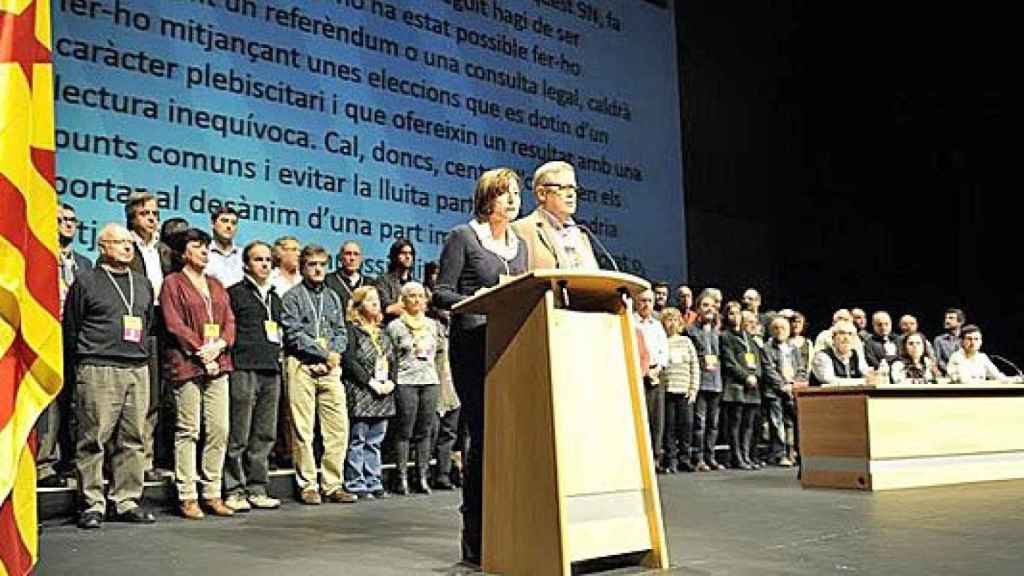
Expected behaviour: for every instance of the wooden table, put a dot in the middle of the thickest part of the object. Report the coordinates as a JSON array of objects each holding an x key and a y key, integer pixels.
[{"x": 889, "y": 437}]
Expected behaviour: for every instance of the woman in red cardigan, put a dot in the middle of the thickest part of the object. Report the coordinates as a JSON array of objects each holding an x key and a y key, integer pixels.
[{"x": 201, "y": 326}]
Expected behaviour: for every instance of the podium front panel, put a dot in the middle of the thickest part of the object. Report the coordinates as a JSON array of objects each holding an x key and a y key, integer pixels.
[{"x": 599, "y": 464}]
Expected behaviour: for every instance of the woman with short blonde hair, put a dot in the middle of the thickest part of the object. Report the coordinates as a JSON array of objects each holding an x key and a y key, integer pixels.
[
  {"x": 415, "y": 338},
  {"x": 369, "y": 376}
]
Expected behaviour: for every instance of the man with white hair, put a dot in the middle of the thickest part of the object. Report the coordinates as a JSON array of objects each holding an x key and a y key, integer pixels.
[
  {"x": 553, "y": 240},
  {"x": 108, "y": 316},
  {"x": 824, "y": 339},
  {"x": 840, "y": 362}
]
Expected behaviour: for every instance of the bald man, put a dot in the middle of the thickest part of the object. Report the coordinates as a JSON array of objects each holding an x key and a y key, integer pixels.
[{"x": 107, "y": 318}]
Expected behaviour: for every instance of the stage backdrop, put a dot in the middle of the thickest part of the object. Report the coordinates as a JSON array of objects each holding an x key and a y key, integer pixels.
[{"x": 370, "y": 120}]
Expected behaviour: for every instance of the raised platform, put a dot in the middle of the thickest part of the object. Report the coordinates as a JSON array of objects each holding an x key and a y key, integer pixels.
[{"x": 734, "y": 523}]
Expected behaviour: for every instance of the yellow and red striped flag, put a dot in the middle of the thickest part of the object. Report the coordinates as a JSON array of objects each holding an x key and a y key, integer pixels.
[{"x": 31, "y": 363}]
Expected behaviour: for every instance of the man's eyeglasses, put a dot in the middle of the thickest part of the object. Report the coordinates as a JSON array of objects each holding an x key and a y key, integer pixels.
[
  {"x": 68, "y": 219},
  {"x": 562, "y": 189},
  {"x": 155, "y": 213}
]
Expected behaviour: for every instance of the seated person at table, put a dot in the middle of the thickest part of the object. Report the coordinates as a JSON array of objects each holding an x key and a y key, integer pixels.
[
  {"x": 839, "y": 363},
  {"x": 824, "y": 339},
  {"x": 881, "y": 345},
  {"x": 914, "y": 365},
  {"x": 969, "y": 364}
]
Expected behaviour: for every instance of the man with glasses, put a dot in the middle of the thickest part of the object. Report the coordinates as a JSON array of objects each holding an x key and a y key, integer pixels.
[
  {"x": 56, "y": 449},
  {"x": 108, "y": 315},
  {"x": 839, "y": 363},
  {"x": 314, "y": 339},
  {"x": 553, "y": 240},
  {"x": 153, "y": 259}
]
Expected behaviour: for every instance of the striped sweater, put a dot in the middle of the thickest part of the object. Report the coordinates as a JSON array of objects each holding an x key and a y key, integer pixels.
[{"x": 682, "y": 375}]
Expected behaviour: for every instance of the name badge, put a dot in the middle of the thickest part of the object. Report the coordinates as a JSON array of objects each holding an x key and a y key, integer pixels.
[
  {"x": 788, "y": 372},
  {"x": 710, "y": 362},
  {"x": 132, "y": 328},
  {"x": 211, "y": 332},
  {"x": 890, "y": 348},
  {"x": 273, "y": 331},
  {"x": 380, "y": 370},
  {"x": 322, "y": 342},
  {"x": 750, "y": 359}
]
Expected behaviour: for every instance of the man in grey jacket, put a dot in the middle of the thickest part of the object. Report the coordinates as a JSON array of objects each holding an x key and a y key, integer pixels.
[{"x": 315, "y": 337}]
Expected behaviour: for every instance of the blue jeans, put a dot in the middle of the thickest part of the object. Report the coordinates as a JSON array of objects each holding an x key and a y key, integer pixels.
[{"x": 362, "y": 464}]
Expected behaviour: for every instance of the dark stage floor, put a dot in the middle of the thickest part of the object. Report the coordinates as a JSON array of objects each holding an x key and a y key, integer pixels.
[{"x": 720, "y": 523}]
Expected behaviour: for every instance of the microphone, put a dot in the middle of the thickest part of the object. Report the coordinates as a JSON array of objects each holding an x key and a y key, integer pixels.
[
  {"x": 1020, "y": 375},
  {"x": 600, "y": 245}
]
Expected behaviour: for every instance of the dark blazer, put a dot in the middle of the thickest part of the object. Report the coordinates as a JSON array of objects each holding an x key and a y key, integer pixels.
[
  {"x": 81, "y": 262},
  {"x": 166, "y": 259},
  {"x": 773, "y": 377},
  {"x": 874, "y": 350},
  {"x": 735, "y": 370},
  {"x": 335, "y": 282},
  {"x": 359, "y": 362}
]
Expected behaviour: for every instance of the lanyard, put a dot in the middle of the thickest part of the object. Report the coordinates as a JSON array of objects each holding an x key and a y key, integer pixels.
[
  {"x": 317, "y": 314},
  {"x": 129, "y": 304},
  {"x": 344, "y": 284},
  {"x": 266, "y": 302}
]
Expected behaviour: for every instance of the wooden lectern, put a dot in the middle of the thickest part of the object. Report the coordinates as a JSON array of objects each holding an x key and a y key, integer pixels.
[{"x": 568, "y": 469}]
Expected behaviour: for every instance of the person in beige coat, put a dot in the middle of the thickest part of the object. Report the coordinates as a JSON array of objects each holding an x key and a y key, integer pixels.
[{"x": 553, "y": 240}]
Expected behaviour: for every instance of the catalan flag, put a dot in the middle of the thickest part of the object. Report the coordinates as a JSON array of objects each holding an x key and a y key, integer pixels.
[{"x": 30, "y": 340}]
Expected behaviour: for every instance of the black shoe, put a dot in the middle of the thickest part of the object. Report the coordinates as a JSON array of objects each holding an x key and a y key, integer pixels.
[
  {"x": 401, "y": 485},
  {"x": 90, "y": 520},
  {"x": 470, "y": 553},
  {"x": 136, "y": 516},
  {"x": 684, "y": 467},
  {"x": 443, "y": 483},
  {"x": 53, "y": 481},
  {"x": 381, "y": 494},
  {"x": 422, "y": 485}
]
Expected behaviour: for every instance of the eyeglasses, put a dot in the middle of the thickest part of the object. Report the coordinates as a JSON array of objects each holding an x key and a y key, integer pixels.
[
  {"x": 147, "y": 213},
  {"x": 68, "y": 219},
  {"x": 116, "y": 241},
  {"x": 562, "y": 189}
]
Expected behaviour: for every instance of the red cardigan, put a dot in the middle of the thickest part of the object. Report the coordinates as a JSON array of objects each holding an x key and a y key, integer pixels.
[{"x": 184, "y": 315}]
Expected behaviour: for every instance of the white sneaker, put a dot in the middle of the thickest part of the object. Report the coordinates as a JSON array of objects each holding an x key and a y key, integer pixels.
[
  {"x": 264, "y": 502},
  {"x": 238, "y": 503}
]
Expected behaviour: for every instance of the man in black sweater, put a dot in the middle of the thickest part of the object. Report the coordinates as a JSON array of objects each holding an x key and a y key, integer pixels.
[
  {"x": 255, "y": 384},
  {"x": 107, "y": 318}
]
